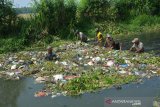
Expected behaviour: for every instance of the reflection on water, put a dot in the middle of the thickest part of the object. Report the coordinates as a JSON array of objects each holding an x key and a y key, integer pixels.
[
  {"x": 9, "y": 92},
  {"x": 151, "y": 41},
  {"x": 21, "y": 94}
]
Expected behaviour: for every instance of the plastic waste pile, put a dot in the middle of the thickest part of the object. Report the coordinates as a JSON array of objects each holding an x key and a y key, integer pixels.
[{"x": 75, "y": 59}]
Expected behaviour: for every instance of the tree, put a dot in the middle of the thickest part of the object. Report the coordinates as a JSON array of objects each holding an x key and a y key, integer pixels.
[
  {"x": 55, "y": 15},
  {"x": 97, "y": 10},
  {"x": 7, "y": 17}
]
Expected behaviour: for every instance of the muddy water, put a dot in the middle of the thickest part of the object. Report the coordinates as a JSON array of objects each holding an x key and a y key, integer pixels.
[
  {"x": 21, "y": 93},
  {"x": 151, "y": 41}
]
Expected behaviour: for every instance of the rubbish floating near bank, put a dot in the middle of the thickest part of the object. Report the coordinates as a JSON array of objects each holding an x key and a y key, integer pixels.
[
  {"x": 41, "y": 94},
  {"x": 13, "y": 67},
  {"x": 58, "y": 77},
  {"x": 110, "y": 63},
  {"x": 40, "y": 80},
  {"x": 81, "y": 68}
]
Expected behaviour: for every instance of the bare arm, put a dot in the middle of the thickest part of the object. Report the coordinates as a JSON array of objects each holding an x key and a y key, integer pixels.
[{"x": 120, "y": 46}]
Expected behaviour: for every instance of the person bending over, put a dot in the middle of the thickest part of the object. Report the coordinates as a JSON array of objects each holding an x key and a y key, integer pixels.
[{"x": 137, "y": 46}]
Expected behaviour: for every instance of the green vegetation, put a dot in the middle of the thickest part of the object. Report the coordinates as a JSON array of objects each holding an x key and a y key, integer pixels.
[
  {"x": 7, "y": 17},
  {"x": 54, "y": 22},
  {"x": 88, "y": 68},
  {"x": 92, "y": 81},
  {"x": 60, "y": 18}
]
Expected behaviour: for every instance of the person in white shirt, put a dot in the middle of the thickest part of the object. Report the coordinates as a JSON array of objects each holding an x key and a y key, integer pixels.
[
  {"x": 137, "y": 46},
  {"x": 81, "y": 36}
]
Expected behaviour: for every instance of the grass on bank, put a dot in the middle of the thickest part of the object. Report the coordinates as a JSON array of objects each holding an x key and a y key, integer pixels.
[{"x": 139, "y": 25}]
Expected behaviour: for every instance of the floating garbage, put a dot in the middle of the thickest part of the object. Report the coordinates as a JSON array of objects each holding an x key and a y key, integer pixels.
[
  {"x": 87, "y": 57},
  {"x": 154, "y": 72},
  {"x": 85, "y": 65},
  {"x": 17, "y": 78},
  {"x": 20, "y": 67},
  {"x": 143, "y": 65},
  {"x": 80, "y": 59},
  {"x": 74, "y": 64},
  {"x": 0, "y": 65},
  {"x": 40, "y": 80},
  {"x": 122, "y": 72},
  {"x": 137, "y": 73},
  {"x": 56, "y": 62},
  {"x": 58, "y": 77},
  {"x": 90, "y": 63},
  {"x": 10, "y": 59},
  {"x": 90, "y": 59},
  {"x": 13, "y": 67},
  {"x": 41, "y": 94},
  {"x": 15, "y": 62},
  {"x": 33, "y": 59},
  {"x": 17, "y": 72},
  {"x": 42, "y": 69},
  {"x": 96, "y": 59},
  {"x": 21, "y": 61},
  {"x": 10, "y": 73},
  {"x": 58, "y": 94},
  {"x": 103, "y": 59},
  {"x": 124, "y": 65},
  {"x": 110, "y": 63},
  {"x": 70, "y": 77},
  {"x": 127, "y": 61},
  {"x": 64, "y": 63},
  {"x": 53, "y": 96}
]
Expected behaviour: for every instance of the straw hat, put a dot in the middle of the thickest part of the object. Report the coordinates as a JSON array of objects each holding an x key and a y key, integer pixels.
[
  {"x": 108, "y": 36},
  {"x": 135, "y": 40},
  {"x": 49, "y": 47}
]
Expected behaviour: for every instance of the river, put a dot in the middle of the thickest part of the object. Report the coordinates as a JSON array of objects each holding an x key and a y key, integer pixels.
[{"x": 21, "y": 93}]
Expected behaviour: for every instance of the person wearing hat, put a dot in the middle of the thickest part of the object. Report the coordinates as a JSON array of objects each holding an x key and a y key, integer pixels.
[
  {"x": 81, "y": 36},
  {"x": 99, "y": 37},
  {"x": 110, "y": 43},
  {"x": 137, "y": 46},
  {"x": 50, "y": 55}
]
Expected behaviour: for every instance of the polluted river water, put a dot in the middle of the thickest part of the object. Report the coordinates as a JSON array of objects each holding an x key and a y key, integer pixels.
[{"x": 21, "y": 93}]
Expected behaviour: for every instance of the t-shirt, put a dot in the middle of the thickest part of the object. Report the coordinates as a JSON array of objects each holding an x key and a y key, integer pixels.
[
  {"x": 110, "y": 42},
  {"x": 139, "y": 46},
  {"x": 99, "y": 36},
  {"x": 82, "y": 36}
]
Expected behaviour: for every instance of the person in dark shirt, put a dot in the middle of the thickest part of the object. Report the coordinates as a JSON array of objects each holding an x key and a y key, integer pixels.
[
  {"x": 50, "y": 55},
  {"x": 110, "y": 43}
]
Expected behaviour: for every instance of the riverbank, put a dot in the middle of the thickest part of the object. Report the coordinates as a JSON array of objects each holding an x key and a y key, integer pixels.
[
  {"x": 18, "y": 43},
  {"x": 81, "y": 68}
]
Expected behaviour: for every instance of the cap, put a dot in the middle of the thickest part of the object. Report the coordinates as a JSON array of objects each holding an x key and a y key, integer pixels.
[
  {"x": 49, "y": 47},
  {"x": 135, "y": 40},
  {"x": 97, "y": 30},
  {"x": 108, "y": 36}
]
